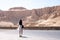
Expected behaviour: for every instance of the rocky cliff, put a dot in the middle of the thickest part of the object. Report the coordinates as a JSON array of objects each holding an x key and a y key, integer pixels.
[{"x": 49, "y": 16}]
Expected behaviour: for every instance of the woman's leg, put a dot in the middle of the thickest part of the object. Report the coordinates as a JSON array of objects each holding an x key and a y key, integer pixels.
[{"x": 20, "y": 31}]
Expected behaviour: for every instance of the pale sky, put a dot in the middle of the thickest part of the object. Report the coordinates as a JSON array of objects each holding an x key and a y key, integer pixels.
[{"x": 29, "y": 4}]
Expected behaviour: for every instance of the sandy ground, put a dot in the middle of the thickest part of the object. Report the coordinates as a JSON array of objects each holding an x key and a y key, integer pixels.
[{"x": 30, "y": 35}]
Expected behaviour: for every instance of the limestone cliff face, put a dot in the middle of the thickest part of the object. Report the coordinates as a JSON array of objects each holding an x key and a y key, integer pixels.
[
  {"x": 48, "y": 16},
  {"x": 38, "y": 17},
  {"x": 45, "y": 13}
]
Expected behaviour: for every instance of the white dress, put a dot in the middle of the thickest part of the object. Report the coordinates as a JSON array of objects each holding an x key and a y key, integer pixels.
[{"x": 20, "y": 30}]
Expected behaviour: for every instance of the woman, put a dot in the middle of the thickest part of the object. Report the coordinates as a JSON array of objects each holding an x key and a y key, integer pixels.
[{"x": 20, "y": 28}]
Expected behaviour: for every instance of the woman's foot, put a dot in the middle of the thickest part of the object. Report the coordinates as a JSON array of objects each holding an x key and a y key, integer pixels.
[{"x": 20, "y": 36}]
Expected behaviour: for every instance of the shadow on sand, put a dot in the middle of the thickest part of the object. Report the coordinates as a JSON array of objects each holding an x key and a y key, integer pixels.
[{"x": 23, "y": 37}]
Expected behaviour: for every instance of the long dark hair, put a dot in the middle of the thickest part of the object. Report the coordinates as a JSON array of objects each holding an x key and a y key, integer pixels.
[{"x": 20, "y": 22}]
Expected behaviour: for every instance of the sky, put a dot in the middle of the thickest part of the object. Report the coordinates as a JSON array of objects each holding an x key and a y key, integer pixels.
[{"x": 29, "y": 4}]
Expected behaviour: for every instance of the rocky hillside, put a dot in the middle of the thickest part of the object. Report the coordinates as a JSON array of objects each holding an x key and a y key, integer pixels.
[{"x": 49, "y": 16}]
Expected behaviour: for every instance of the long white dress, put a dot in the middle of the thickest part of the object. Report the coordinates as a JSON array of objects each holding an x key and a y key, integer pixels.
[{"x": 20, "y": 30}]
